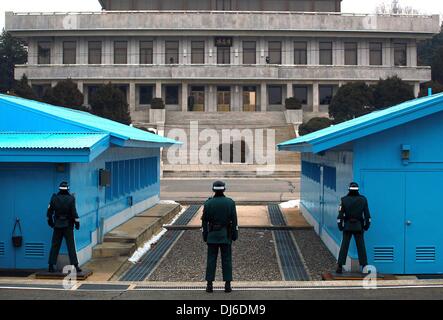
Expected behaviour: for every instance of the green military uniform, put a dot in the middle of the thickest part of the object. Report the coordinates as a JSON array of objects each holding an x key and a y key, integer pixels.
[
  {"x": 62, "y": 217},
  {"x": 219, "y": 226},
  {"x": 353, "y": 219}
]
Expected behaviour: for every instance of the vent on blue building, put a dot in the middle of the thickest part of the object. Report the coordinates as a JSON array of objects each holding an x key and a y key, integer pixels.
[
  {"x": 425, "y": 254},
  {"x": 34, "y": 250},
  {"x": 2, "y": 249},
  {"x": 384, "y": 254}
]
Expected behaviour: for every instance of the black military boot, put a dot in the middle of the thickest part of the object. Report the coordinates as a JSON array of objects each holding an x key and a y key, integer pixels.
[
  {"x": 209, "y": 287},
  {"x": 228, "y": 287},
  {"x": 51, "y": 268},
  {"x": 339, "y": 269},
  {"x": 77, "y": 268}
]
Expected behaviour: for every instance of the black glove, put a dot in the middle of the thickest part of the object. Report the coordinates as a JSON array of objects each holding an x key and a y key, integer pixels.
[
  {"x": 50, "y": 223},
  {"x": 205, "y": 236},
  {"x": 77, "y": 225},
  {"x": 340, "y": 226},
  {"x": 235, "y": 235},
  {"x": 367, "y": 225}
]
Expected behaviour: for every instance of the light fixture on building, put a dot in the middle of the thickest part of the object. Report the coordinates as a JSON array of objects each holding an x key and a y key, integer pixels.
[{"x": 405, "y": 153}]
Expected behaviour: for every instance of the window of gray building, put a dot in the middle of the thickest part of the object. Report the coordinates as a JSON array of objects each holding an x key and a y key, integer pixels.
[
  {"x": 274, "y": 49},
  {"x": 197, "y": 52},
  {"x": 94, "y": 52},
  {"x": 400, "y": 55},
  {"x": 69, "y": 52},
  {"x": 275, "y": 94},
  {"x": 300, "y": 52},
  {"x": 223, "y": 55},
  {"x": 44, "y": 52},
  {"x": 92, "y": 89},
  {"x": 145, "y": 94},
  {"x": 351, "y": 54},
  {"x": 325, "y": 53},
  {"x": 120, "y": 52},
  {"x": 171, "y": 51},
  {"x": 146, "y": 52},
  {"x": 249, "y": 52},
  {"x": 375, "y": 53},
  {"x": 301, "y": 94},
  {"x": 326, "y": 93},
  {"x": 171, "y": 95},
  {"x": 225, "y": 5},
  {"x": 196, "y": 100},
  {"x": 40, "y": 89}
]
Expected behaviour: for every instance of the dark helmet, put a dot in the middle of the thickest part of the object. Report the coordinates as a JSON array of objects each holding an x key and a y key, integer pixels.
[
  {"x": 64, "y": 186},
  {"x": 353, "y": 186},
  {"x": 218, "y": 186}
]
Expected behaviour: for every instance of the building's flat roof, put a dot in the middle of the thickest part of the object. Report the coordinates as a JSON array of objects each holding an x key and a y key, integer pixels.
[
  {"x": 374, "y": 122},
  {"x": 49, "y": 140},
  {"x": 123, "y": 135}
]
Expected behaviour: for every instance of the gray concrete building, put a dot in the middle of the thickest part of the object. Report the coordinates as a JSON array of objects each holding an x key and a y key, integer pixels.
[{"x": 221, "y": 55}]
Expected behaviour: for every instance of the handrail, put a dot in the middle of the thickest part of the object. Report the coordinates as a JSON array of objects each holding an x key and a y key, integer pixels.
[{"x": 219, "y": 12}]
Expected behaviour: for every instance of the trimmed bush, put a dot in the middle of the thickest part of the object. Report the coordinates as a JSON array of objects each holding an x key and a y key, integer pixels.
[
  {"x": 313, "y": 125},
  {"x": 293, "y": 104}
]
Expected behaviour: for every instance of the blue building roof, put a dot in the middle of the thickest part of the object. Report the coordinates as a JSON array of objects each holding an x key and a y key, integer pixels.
[
  {"x": 374, "y": 122},
  {"x": 121, "y": 134},
  {"x": 31, "y": 140}
]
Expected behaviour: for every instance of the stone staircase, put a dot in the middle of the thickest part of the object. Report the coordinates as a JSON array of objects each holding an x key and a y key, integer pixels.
[
  {"x": 111, "y": 257},
  {"x": 262, "y": 123}
]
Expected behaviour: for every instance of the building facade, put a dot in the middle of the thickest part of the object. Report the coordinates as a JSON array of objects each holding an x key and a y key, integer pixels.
[
  {"x": 221, "y": 55},
  {"x": 395, "y": 156}
]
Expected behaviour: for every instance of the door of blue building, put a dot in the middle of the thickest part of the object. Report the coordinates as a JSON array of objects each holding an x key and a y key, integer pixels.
[
  {"x": 25, "y": 196},
  {"x": 405, "y": 236},
  {"x": 385, "y": 239},
  {"x": 424, "y": 223}
]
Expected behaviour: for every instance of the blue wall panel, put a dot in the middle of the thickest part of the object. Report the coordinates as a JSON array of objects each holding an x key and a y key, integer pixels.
[
  {"x": 95, "y": 202},
  {"x": 328, "y": 186}
]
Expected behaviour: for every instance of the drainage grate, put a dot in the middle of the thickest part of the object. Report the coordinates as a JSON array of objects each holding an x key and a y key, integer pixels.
[
  {"x": 291, "y": 262},
  {"x": 276, "y": 215},
  {"x": 149, "y": 261},
  {"x": 187, "y": 216},
  {"x": 103, "y": 287}
]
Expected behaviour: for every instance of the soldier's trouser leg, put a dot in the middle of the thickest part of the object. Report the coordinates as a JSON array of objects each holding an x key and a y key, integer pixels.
[
  {"x": 57, "y": 237},
  {"x": 344, "y": 248},
  {"x": 211, "y": 263},
  {"x": 361, "y": 249},
  {"x": 70, "y": 243},
  {"x": 226, "y": 255}
]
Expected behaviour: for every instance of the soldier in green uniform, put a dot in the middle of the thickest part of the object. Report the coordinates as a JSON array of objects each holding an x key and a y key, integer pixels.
[
  {"x": 353, "y": 219},
  {"x": 62, "y": 217},
  {"x": 219, "y": 227}
]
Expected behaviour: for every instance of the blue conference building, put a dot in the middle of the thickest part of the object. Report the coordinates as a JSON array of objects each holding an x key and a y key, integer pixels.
[
  {"x": 113, "y": 170},
  {"x": 396, "y": 155}
]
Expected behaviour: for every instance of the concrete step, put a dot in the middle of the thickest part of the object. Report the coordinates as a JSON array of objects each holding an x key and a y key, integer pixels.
[
  {"x": 229, "y": 174},
  {"x": 113, "y": 249},
  {"x": 178, "y": 117},
  {"x": 109, "y": 257}
]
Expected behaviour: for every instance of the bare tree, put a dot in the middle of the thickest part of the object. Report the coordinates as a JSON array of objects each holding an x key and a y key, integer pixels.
[{"x": 395, "y": 7}]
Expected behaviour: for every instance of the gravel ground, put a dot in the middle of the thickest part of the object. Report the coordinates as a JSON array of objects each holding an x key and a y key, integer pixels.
[
  {"x": 254, "y": 259},
  {"x": 317, "y": 257}
]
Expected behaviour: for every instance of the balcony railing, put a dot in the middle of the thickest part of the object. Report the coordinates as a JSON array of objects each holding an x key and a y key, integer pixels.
[
  {"x": 221, "y": 72},
  {"x": 220, "y": 20}
]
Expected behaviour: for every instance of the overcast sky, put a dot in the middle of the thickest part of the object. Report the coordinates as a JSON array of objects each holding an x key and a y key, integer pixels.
[{"x": 360, "y": 6}]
